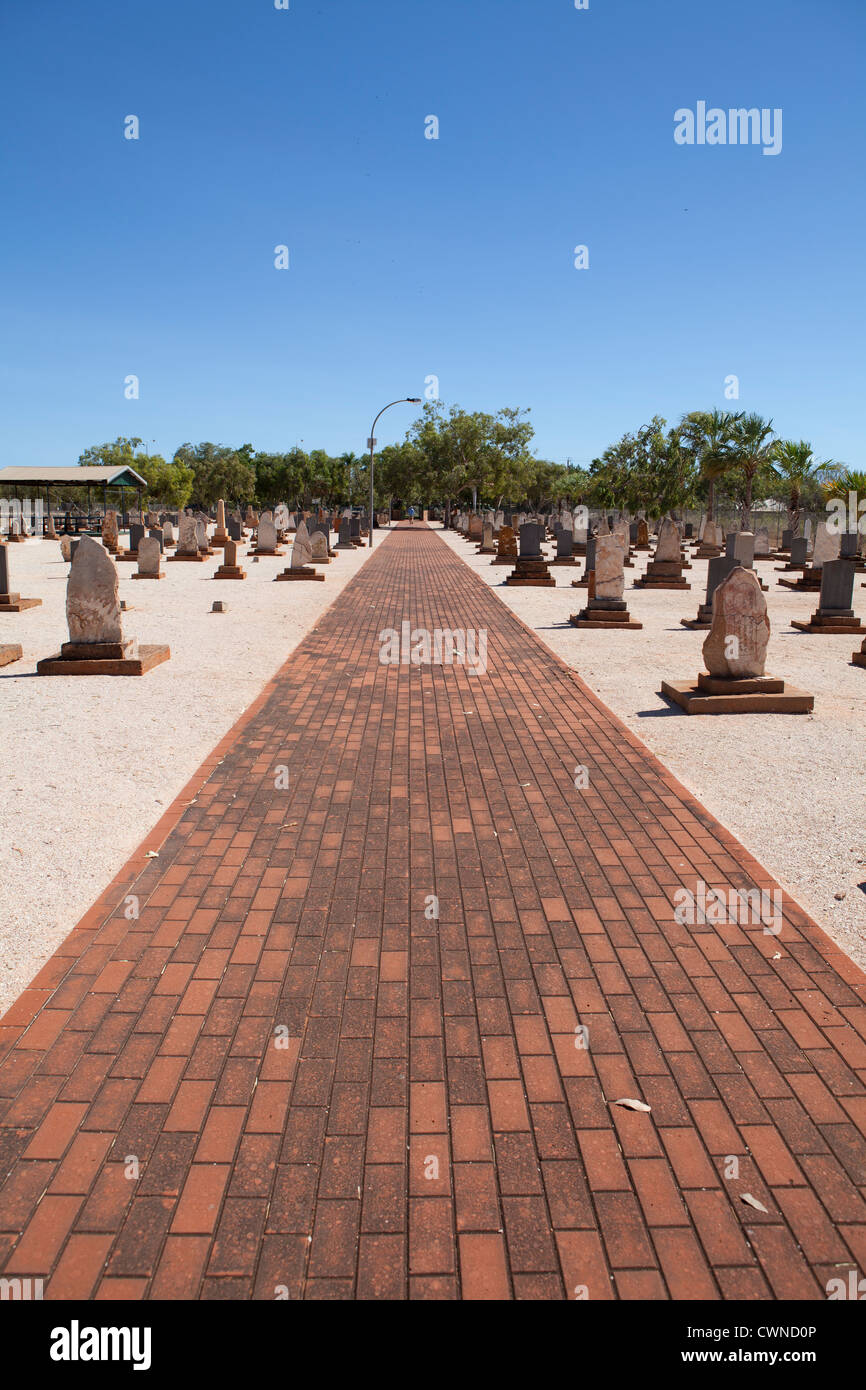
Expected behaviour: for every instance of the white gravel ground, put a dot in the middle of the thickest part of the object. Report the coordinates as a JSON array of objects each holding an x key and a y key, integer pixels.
[
  {"x": 790, "y": 787},
  {"x": 89, "y": 764}
]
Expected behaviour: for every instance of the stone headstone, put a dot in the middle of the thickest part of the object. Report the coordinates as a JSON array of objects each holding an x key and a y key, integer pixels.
[
  {"x": 149, "y": 554},
  {"x": 319, "y": 546},
  {"x": 156, "y": 533},
  {"x": 281, "y": 517},
  {"x": 837, "y": 585},
  {"x": 642, "y": 534},
  {"x": 66, "y": 547},
  {"x": 762, "y": 541},
  {"x": 744, "y": 548},
  {"x": 717, "y": 570},
  {"x": 787, "y": 537},
  {"x": 266, "y": 536},
  {"x": 669, "y": 546},
  {"x": 187, "y": 541},
  {"x": 136, "y": 535},
  {"x": 564, "y": 543},
  {"x": 235, "y": 529},
  {"x": 621, "y": 531},
  {"x": 609, "y": 582},
  {"x": 849, "y": 541},
  {"x": 302, "y": 552},
  {"x": 531, "y": 535},
  {"x": 688, "y": 530},
  {"x": 92, "y": 600},
  {"x": 799, "y": 550},
  {"x": 109, "y": 531},
  {"x": 221, "y": 517},
  {"x": 167, "y": 532},
  {"x": 739, "y": 613},
  {"x": 592, "y": 542},
  {"x": 826, "y": 546},
  {"x": 201, "y": 540}
]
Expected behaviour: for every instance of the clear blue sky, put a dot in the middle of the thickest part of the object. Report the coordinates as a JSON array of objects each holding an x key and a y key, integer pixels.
[{"x": 412, "y": 257}]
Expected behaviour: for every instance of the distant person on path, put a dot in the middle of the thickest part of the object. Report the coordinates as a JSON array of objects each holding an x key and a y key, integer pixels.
[{"x": 411, "y": 516}]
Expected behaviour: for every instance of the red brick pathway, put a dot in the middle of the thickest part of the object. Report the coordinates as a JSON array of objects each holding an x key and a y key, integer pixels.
[{"x": 431, "y": 1129}]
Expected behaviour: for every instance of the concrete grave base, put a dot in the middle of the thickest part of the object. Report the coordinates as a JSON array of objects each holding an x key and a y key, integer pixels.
[
  {"x": 761, "y": 695},
  {"x": 197, "y": 559},
  {"x": 72, "y": 663},
  {"x": 161, "y": 575},
  {"x": 304, "y": 573},
  {"x": 857, "y": 658},
  {"x": 596, "y": 617},
  {"x": 14, "y": 603},
  {"x": 230, "y": 572},
  {"x": 843, "y": 621},
  {"x": 651, "y": 582},
  {"x": 809, "y": 580},
  {"x": 9, "y": 652}
]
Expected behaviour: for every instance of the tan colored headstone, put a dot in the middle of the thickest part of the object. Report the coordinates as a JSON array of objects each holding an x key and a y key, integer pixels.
[
  {"x": 92, "y": 601},
  {"x": 187, "y": 543},
  {"x": 669, "y": 546},
  {"x": 319, "y": 546},
  {"x": 302, "y": 551},
  {"x": 827, "y": 545},
  {"x": 109, "y": 531},
  {"x": 736, "y": 646},
  {"x": 66, "y": 547},
  {"x": 149, "y": 555},
  {"x": 266, "y": 533},
  {"x": 609, "y": 582},
  {"x": 621, "y": 531}
]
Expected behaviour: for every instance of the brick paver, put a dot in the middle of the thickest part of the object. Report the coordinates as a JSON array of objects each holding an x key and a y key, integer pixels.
[{"x": 286, "y": 1077}]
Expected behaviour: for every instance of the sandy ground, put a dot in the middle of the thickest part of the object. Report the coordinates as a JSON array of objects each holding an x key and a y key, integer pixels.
[
  {"x": 89, "y": 764},
  {"x": 790, "y": 787}
]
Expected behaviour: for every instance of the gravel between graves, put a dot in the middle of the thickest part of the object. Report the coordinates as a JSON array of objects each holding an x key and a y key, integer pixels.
[
  {"x": 91, "y": 763},
  {"x": 790, "y": 787}
]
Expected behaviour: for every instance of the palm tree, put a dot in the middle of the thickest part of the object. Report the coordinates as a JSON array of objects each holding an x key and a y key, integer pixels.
[
  {"x": 709, "y": 435},
  {"x": 839, "y": 482},
  {"x": 796, "y": 466},
  {"x": 753, "y": 445}
]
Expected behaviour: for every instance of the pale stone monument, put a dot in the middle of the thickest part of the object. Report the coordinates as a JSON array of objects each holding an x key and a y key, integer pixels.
[
  {"x": 735, "y": 652},
  {"x": 149, "y": 556},
  {"x": 665, "y": 570},
  {"x": 606, "y": 607},
  {"x": 266, "y": 536},
  {"x": 319, "y": 548},
  {"x": 96, "y": 643},
  {"x": 188, "y": 548},
  {"x": 301, "y": 566}
]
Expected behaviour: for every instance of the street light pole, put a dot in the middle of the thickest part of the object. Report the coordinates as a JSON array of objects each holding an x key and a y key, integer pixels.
[{"x": 404, "y": 400}]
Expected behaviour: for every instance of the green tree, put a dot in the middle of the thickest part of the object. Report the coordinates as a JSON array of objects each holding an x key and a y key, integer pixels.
[
  {"x": 709, "y": 436},
  {"x": 168, "y": 483},
  {"x": 473, "y": 452},
  {"x": 753, "y": 445},
  {"x": 796, "y": 467},
  {"x": 218, "y": 471}
]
